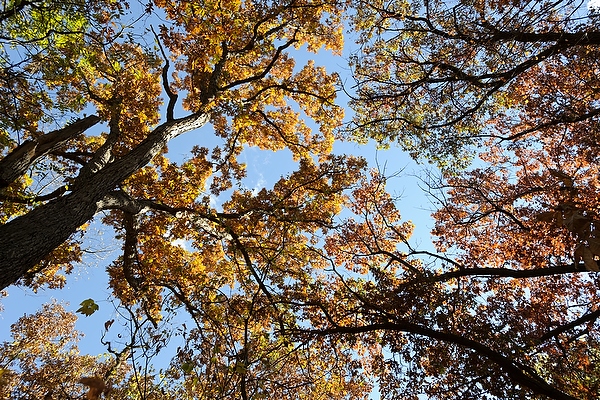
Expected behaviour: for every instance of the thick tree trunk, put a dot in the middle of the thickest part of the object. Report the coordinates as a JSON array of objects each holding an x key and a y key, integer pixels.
[{"x": 28, "y": 239}]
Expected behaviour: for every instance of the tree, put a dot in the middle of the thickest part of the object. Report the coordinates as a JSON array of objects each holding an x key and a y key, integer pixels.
[
  {"x": 437, "y": 76},
  {"x": 235, "y": 73},
  {"x": 42, "y": 360},
  {"x": 506, "y": 307},
  {"x": 86, "y": 134}
]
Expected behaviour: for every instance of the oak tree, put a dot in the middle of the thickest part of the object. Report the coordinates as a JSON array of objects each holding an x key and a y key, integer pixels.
[
  {"x": 92, "y": 94},
  {"x": 232, "y": 69}
]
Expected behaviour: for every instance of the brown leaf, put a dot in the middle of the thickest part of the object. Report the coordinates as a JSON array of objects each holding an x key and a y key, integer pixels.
[
  {"x": 578, "y": 253},
  {"x": 594, "y": 245},
  {"x": 546, "y": 216},
  {"x": 577, "y": 223},
  {"x": 96, "y": 386},
  {"x": 108, "y": 324},
  {"x": 588, "y": 260},
  {"x": 564, "y": 178}
]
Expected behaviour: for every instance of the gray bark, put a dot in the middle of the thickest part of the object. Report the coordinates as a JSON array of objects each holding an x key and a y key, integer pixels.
[{"x": 28, "y": 239}]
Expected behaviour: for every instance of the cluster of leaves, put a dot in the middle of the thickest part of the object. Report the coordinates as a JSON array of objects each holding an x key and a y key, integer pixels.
[{"x": 42, "y": 357}]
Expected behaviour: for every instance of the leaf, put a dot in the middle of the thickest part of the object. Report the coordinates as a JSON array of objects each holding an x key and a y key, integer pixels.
[
  {"x": 96, "y": 385},
  {"x": 564, "y": 178},
  {"x": 108, "y": 324},
  {"x": 594, "y": 245},
  {"x": 578, "y": 253},
  {"x": 88, "y": 307},
  {"x": 240, "y": 368},
  {"x": 577, "y": 223},
  {"x": 187, "y": 367},
  {"x": 588, "y": 260},
  {"x": 550, "y": 216}
]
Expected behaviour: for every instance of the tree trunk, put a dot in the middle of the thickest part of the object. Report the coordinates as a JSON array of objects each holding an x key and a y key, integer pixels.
[{"x": 28, "y": 239}]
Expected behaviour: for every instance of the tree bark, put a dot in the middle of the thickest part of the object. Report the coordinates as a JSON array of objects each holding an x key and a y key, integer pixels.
[{"x": 28, "y": 239}]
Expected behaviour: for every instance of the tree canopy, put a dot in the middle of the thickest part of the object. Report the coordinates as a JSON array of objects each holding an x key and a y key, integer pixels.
[{"x": 311, "y": 287}]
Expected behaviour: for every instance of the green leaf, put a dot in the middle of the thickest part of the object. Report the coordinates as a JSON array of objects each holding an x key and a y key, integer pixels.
[
  {"x": 88, "y": 307},
  {"x": 187, "y": 367}
]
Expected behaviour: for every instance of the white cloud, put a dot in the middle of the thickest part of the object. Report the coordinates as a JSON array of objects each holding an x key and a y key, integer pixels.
[
  {"x": 179, "y": 243},
  {"x": 213, "y": 201},
  {"x": 259, "y": 185}
]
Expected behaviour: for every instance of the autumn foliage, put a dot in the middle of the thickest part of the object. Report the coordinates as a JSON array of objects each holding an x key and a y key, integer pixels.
[
  {"x": 512, "y": 305},
  {"x": 312, "y": 286}
]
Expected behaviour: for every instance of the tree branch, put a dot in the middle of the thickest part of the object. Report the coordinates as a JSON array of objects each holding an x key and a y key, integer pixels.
[
  {"x": 519, "y": 374},
  {"x": 566, "y": 327},
  {"x": 28, "y": 239},
  {"x": 165, "y": 78},
  {"x": 16, "y": 163}
]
